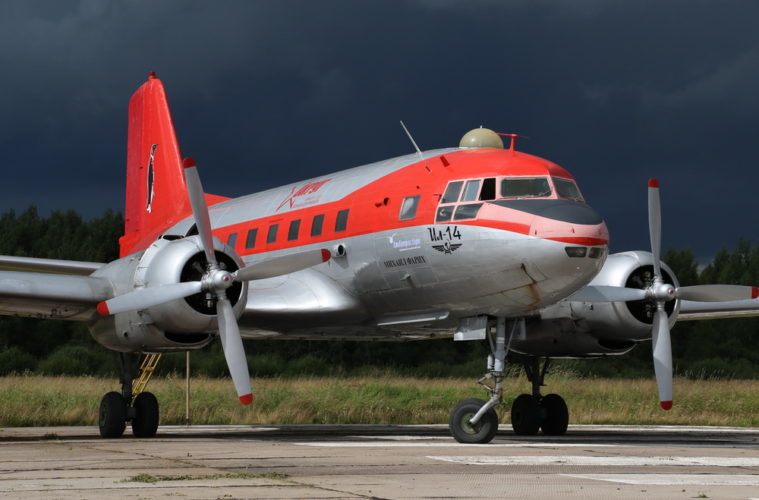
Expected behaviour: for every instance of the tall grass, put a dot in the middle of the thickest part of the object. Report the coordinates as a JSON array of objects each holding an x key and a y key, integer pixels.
[{"x": 378, "y": 399}]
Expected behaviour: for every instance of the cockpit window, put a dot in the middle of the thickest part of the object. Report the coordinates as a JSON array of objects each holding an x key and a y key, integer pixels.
[
  {"x": 471, "y": 190},
  {"x": 488, "y": 189},
  {"x": 452, "y": 192},
  {"x": 566, "y": 188},
  {"x": 525, "y": 187}
]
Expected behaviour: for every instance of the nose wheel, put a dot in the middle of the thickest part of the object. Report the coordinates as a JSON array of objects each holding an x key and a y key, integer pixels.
[{"x": 475, "y": 420}]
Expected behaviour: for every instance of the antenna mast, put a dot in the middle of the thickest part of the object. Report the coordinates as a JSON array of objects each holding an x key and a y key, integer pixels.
[{"x": 412, "y": 140}]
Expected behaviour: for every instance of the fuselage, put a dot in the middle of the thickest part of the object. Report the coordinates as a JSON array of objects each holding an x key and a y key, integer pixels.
[{"x": 461, "y": 232}]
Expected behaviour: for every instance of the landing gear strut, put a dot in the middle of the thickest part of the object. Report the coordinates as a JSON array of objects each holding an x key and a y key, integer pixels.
[
  {"x": 475, "y": 420},
  {"x": 132, "y": 404}
]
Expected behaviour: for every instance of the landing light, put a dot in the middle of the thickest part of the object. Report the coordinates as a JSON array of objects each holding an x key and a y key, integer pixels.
[{"x": 576, "y": 251}]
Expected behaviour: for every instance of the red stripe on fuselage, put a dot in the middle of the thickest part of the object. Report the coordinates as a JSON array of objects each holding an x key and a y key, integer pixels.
[{"x": 375, "y": 207}]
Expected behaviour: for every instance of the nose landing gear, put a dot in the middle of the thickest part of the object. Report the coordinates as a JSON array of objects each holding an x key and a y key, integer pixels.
[{"x": 475, "y": 421}]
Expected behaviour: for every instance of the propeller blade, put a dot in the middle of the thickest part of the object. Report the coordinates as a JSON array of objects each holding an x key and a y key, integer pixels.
[
  {"x": 279, "y": 266},
  {"x": 654, "y": 223},
  {"x": 662, "y": 348},
  {"x": 717, "y": 293},
  {"x": 607, "y": 294},
  {"x": 148, "y": 297},
  {"x": 199, "y": 209},
  {"x": 234, "y": 352}
]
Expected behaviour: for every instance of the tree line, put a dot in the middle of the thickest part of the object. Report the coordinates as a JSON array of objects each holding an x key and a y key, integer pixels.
[{"x": 701, "y": 349}]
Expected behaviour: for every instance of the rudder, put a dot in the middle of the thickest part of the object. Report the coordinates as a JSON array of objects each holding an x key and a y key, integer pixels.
[{"x": 156, "y": 194}]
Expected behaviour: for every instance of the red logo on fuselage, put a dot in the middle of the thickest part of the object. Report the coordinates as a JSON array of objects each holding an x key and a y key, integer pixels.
[{"x": 300, "y": 196}]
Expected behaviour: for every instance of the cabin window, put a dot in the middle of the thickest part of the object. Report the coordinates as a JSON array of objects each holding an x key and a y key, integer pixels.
[
  {"x": 525, "y": 187},
  {"x": 566, "y": 188},
  {"x": 271, "y": 236},
  {"x": 342, "y": 220},
  {"x": 488, "y": 189},
  {"x": 471, "y": 190},
  {"x": 232, "y": 240},
  {"x": 452, "y": 192},
  {"x": 250, "y": 239},
  {"x": 292, "y": 233},
  {"x": 444, "y": 213},
  {"x": 316, "y": 225},
  {"x": 468, "y": 211},
  {"x": 408, "y": 208}
]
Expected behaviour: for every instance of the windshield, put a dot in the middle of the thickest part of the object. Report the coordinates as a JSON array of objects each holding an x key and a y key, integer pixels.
[
  {"x": 566, "y": 188},
  {"x": 525, "y": 187}
]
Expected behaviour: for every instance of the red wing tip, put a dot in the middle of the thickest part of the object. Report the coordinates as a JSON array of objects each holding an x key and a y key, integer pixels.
[
  {"x": 103, "y": 309},
  {"x": 653, "y": 183},
  {"x": 326, "y": 254},
  {"x": 188, "y": 162},
  {"x": 246, "y": 399},
  {"x": 666, "y": 405},
  {"x": 754, "y": 292}
]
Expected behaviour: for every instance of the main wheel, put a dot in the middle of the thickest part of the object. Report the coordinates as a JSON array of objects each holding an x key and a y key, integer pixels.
[
  {"x": 145, "y": 421},
  {"x": 556, "y": 417},
  {"x": 112, "y": 418},
  {"x": 525, "y": 415},
  {"x": 462, "y": 431}
]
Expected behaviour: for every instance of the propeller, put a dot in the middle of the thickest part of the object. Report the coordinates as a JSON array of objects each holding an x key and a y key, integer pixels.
[
  {"x": 215, "y": 281},
  {"x": 660, "y": 293}
]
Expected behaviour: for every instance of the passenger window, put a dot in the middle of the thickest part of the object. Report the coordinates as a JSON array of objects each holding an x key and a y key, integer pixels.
[
  {"x": 316, "y": 225},
  {"x": 232, "y": 240},
  {"x": 488, "y": 189},
  {"x": 271, "y": 237},
  {"x": 452, "y": 192},
  {"x": 470, "y": 190},
  {"x": 292, "y": 233},
  {"x": 250, "y": 240},
  {"x": 408, "y": 208},
  {"x": 467, "y": 211},
  {"x": 342, "y": 220}
]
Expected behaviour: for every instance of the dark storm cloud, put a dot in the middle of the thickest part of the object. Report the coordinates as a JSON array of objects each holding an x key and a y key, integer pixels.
[{"x": 270, "y": 92}]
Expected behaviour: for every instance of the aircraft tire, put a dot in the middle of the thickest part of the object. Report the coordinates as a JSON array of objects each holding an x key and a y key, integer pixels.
[
  {"x": 112, "y": 415},
  {"x": 556, "y": 415},
  {"x": 145, "y": 421},
  {"x": 480, "y": 433},
  {"x": 525, "y": 415}
]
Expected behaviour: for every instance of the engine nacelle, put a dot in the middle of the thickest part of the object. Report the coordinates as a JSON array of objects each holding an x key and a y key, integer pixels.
[
  {"x": 178, "y": 325},
  {"x": 587, "y": 329}
]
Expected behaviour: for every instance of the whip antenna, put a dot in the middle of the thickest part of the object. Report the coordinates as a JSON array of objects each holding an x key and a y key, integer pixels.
[{"x": 412, "y": 140}]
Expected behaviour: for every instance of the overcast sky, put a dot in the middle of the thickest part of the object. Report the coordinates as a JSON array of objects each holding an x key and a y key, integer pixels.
[{"x": 269, "y": 92}]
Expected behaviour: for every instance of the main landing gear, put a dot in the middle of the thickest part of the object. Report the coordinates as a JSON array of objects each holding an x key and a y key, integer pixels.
[
  {"x": 132, "y": 404},
  {"x": 476, "y": 421}
]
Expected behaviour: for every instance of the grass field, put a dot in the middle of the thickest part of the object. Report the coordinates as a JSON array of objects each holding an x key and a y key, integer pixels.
[{"x": 43, "y": 401}]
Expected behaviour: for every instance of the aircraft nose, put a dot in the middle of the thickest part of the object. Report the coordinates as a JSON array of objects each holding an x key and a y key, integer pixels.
[{"x": 569, "y": 222}]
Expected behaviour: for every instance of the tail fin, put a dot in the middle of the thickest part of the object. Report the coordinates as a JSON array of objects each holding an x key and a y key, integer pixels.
[{"x": 156, "y": 195}]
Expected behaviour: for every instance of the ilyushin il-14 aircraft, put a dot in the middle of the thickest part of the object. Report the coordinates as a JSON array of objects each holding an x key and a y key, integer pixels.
[{"x": 479, "y": 242}]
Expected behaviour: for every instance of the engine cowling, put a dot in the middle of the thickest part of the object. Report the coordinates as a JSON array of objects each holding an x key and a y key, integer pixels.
[
  {"x": 178, "y": 325},
  {"x": 585, "y": 329}
]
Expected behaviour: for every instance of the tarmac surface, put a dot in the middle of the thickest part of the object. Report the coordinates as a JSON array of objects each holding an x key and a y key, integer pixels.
[{"x": 373, "y": 461}]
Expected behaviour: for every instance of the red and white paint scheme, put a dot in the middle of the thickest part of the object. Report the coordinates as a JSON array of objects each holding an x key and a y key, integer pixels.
[{"x": 472, "y": 242}]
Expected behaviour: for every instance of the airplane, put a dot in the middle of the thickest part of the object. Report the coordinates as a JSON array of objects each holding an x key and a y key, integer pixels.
[{"x": 475, "y": 242}]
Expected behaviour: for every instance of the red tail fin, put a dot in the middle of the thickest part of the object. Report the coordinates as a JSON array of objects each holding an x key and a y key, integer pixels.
[{"x": 156, "y": 196}]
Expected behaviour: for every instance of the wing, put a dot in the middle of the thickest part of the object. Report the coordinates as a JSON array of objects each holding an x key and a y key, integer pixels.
[
  {"x": 303, "y": 300},
  {"x": 715, "y": 310},
  {"x": 59, "y": 289}
]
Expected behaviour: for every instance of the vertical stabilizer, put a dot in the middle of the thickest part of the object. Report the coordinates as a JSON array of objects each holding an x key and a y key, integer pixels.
[{"x": 156, "y": 195}]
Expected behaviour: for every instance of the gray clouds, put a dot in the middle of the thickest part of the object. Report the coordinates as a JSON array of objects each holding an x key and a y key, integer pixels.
[{"x": 265, "y": 93}]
